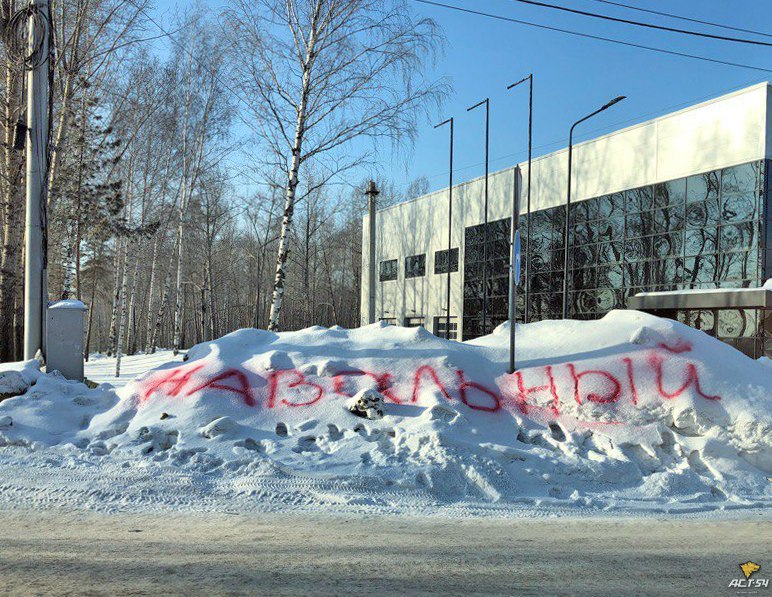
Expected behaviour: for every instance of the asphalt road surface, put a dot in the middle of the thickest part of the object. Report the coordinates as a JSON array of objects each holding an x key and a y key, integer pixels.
[{"x": 60, "y": 553}]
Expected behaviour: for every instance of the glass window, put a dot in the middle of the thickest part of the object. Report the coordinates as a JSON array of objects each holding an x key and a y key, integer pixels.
[
  {"x": 638, "y": 249},
  {"x": 736, "y": 323},
  {"x": 640, "y": 199},
  {"x": 736, "y": 208},
  {"x": 668, "y": 219},
  {"x": 414, "y": 322},
  {"x": 670, "y": 193},
  {"x": 611, "y": 206},
  {"x": 441, "y": 326},
  {"x": 388, "y": 270},
  {"x": 441, "y": 261},
  {"x": 667, "y": 245},
  {"x": 740, "y": 179},
  {"x": 702, "y": 319},
  {"x": 699, "y": 241},
  {"x": 415, "y": 266},
  {"x": 702, "y": 187},
  {"x": 737, "y": 237}
]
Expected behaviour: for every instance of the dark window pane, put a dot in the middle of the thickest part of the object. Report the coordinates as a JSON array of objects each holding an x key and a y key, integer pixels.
[
  {"x": 584, "y": 256},
  {"x": 610, "y": 276},
  {"x": 441, "y": 261},
  {"x": 538, "y": 263},
  {"x": 610, "y": 252},
  {"x": 637, "y": 249},
  {"x": 388, "y": 270},
  {"x": 415, "y": 266}
]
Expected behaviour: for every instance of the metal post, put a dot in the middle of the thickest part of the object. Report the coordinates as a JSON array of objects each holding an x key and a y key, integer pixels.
[
  {"x": 512, "y": 283},
  {"x": 37, "y": 171},
  {"x": 372, "y": 193},
  {"x": 485, "y": 102},
  {"x": 528, "y": 206},
  {"x": 566, "y": 227},
  {"x": 450, "y": 223},
  {"x": 529, "y": 78}
]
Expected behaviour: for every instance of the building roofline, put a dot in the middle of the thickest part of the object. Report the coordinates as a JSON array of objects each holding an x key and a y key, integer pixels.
[{"x": 663, "y": 117}]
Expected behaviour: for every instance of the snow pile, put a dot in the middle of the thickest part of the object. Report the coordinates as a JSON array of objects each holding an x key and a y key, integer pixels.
[
  {"x": 16, "y": 378},
  {"x": 629, "y": 412}
]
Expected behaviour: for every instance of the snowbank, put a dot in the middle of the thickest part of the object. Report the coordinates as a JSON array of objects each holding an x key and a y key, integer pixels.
[
  {"x": 16, "y": 378},
  {"x": 630, "y": 411}
]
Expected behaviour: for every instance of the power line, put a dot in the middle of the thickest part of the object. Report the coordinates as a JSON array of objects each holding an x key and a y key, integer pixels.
[
  {"x": 590, "y": 36},
  {"x": 683, "y": 18},
  {"x": 596, "y": 15}
]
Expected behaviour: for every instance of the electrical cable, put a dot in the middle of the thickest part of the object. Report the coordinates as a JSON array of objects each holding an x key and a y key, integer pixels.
[
  {"x": 591, "y": 36},
  {"x": 596, "y": 15},
  {"x": 683, "y": 18},
  {"x": 16, "y": 36}
]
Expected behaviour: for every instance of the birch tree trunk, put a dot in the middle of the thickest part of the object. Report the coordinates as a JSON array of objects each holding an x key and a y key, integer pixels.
[
  {"x": 123, "y": 310},
  {"x": 111, "y": 347},
  {"x": 292, "y": 181}
]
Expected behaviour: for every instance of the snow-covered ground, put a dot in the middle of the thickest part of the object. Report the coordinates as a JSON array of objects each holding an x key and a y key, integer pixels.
[{"x": 629, "y": 414}]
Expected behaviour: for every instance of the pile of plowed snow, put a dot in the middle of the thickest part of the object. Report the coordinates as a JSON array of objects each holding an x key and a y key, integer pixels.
[{"x": 628, "y": 412}]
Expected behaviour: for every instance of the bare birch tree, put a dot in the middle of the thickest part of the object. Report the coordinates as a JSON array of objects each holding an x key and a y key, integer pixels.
[{"x": 323, "y": 73}]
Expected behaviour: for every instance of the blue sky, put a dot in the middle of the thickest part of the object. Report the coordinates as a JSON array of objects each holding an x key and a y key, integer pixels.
[{"x": 573, "y": 76}]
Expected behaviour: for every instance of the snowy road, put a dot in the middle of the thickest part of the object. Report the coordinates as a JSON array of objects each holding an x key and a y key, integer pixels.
[{"x": 195, "y": 554}]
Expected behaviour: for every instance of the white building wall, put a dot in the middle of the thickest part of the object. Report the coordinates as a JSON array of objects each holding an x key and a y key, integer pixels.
[{"x": 723, "y": 132}]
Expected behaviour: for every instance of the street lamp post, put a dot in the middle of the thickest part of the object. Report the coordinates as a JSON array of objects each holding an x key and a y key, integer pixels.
[
  {"x": 529, "y": 78},
  {"x": 566, "y": 228},
  {"x": 450, "y": 221},
  {"x": 486, "y": 103}
]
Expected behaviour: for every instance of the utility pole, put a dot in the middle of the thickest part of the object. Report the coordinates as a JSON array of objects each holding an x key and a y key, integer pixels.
[
  {"x": 37, "y": 171},
  {"x": 371, "y": 192}
]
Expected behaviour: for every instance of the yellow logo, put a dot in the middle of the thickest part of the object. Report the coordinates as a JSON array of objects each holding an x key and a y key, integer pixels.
[{"x": 749, "y": 568}]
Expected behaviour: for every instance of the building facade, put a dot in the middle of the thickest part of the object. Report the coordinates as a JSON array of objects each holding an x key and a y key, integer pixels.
[{"x": 673, "y": 204}]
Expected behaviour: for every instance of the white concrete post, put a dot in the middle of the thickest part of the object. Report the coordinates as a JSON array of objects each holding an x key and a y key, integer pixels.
[{"x": 37, "y": 172}]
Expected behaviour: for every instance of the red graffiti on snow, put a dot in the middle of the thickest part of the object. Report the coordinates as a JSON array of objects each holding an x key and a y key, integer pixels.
[
  {"x": 382, "y": 381},
  {"x": 292, "y": 388},
  {"x": 692, "y": 377},
  {"x": 426, "y": 369},
  {"x": 243, "y": 389},
  {"x": 612, "y": 396},
  {"x": 464, "y": 385},
  {"x": 177, "y": 378},
  {"x": 299, "y": 381}
]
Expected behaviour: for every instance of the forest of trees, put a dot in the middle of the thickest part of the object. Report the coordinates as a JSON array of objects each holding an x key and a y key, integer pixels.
[{"x": 206, "y": 173}]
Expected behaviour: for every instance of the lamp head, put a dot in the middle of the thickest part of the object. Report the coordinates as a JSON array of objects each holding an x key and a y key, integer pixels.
[{"x": 616, "y": 100}]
